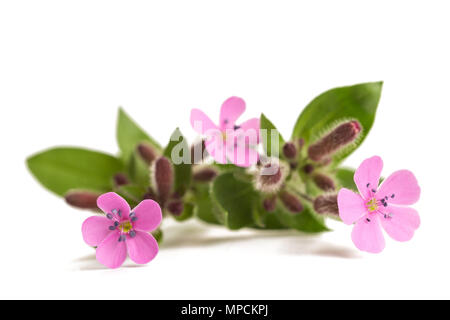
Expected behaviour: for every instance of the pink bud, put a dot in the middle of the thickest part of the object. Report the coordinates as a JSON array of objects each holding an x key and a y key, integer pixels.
[
  {"x": 270, "y": 203},
  {"x": 308, "y": 168},
  {"x": 163, "y": 178},
  {"x": 198, "y": 152},
  {"x": 270, "y": 177},
  {"x": 323, "y": 182},
  {"x": 291, "y": 202},
  {"x": 204, "y": 175},
  {"x": 120, "y": 179},
  {"x": 146, "y": 152},
  {"x": 289, "y": 150},
  {"x": 326, "y": 204},
  {"x": 341, "y": 136},
  {"x": 82, "y": 199},
  {"x": 175, "y": 207}
]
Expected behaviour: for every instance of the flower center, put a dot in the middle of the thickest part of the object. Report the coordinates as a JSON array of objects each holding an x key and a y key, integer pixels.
[
  {"x": 372, "y": 205},
  {"x": 126, "y": 226}
]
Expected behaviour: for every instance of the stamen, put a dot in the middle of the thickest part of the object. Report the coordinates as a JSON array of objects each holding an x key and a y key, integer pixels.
[
  {"x": 109, "y": 216},
  {"x": 368, "y": 185},
  {"x": 116, "y": 223},
  {"x": 122, "y": 237},
  {"x": 132, "y": 214},
  {"x": 132, "y": 234},
  {"x": 112, "y": 228},
  {"x": 368, "y": 220},
  {"x": 373, "y": 190},
  {"x": 133, "y": 219},
  {"x": 119, "y": 213},
  {"x": 392, "y": 196},
  {"x": 114, "y": 211},
  {"x": 236, "y": 127}
]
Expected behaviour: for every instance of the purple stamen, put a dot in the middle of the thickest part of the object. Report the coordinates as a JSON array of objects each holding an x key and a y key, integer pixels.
[
  {"x": 373, "y": 190},
  {"x": 133, "y": 219},
  {"x": 116, "y": 223},
  {"x": 132, "y": 233},
  {"x": 236, "y": 127},
  {"x": 367, "y": 219},
  {"x": 112, "y": 228},
  {"x": 122, "y": 238},
  {"x": 119, "y": 213},
  {"x": 393, "y": 195},
  {"x": 368, "y": 185},
  {"x": 109, "y": 216}
]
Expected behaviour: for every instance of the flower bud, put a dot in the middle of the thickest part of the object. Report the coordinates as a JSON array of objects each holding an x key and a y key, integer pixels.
[
  {"x": 291, "y": 202},
  {"x": 198, "y": 152},
  {"x": 163, "y": 177},
  {"x": 289, "y": 150},
  {"x": 327, "y": 204},
  {"x": 308, "y": 168},
  {"x": 175, "y": 207},
  {"x": 120, "y": 179},
  {"x": 146, "y": 152},
  {"x": 204, "y": 175},
  {"x": 323, "y": 182},
  {"x": 82, "y": 199},
  {"x": 341, "y": 136},
  {"x": 270, "y": 203},
  {"x": 271, "y": 176},
  {"x": 150, "y": 194}
]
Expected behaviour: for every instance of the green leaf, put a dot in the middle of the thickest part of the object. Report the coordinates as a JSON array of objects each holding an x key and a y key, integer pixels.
[
  {"x": 179, "y": 152},
  {"x": 306, "y": 221},
  {"x": 270, "y": 131},
  {"x": 344, "y": 177},
  {"x": 129, "y": 135},
  {"x": 206, "y": 209},
  {"x": 139, "y": 170},
  {"x": 63, "y": 169},
  {"x": 357, "y": 102},
  {"x": 237, "y": 198}
]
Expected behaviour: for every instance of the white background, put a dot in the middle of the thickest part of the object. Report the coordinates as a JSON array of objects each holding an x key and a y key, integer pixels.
[{"x": 65, "y": 67}]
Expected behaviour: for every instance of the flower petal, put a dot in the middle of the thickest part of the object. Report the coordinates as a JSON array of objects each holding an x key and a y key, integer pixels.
[
  {"x": 216, "y": 149},
  {"x": 242, "y": 156},
  {"x": 148, "y": 216},
  {"x": 351, "y": 206},
  {"x": 401, "y": 187},
  {"x": 111, "y": 252},
  {"x": 112, "y": 201},
  {"x": 200, "y": 122},
  {"x": 95, "y": 229},
  {"x": 231, "y": 110},
  {"x": 142, "y": 248},
  {"x": 402, "y": 223},
  {"x": 251, "y": 128},
  {"x": 367, "y": 236},
  {"x": 367, "y": 176}
]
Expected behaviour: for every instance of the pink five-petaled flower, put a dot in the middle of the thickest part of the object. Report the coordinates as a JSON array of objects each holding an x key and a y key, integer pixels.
[
  {"x": 123, "y": 230},
  {"x": 237, "y": 143},
  {"x": 376, "y": 207}
]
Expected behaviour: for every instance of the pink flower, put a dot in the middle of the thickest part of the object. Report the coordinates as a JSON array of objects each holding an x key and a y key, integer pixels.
[
  {"x": 123, "y": 230},
  {"x": 237, "y": 143},
  {"x": 376, "y": 207}
]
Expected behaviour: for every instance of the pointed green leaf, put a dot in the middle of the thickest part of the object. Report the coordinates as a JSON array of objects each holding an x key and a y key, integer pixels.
[
  {"x": 179, "y": 153},
  {"x": 129, "y": 135},
  {"x": 237, "y": 198},
  {"x": 63, "y": 169},
  {"x": 358, "y": 102},
  {"x": 269, "y": 135}
]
